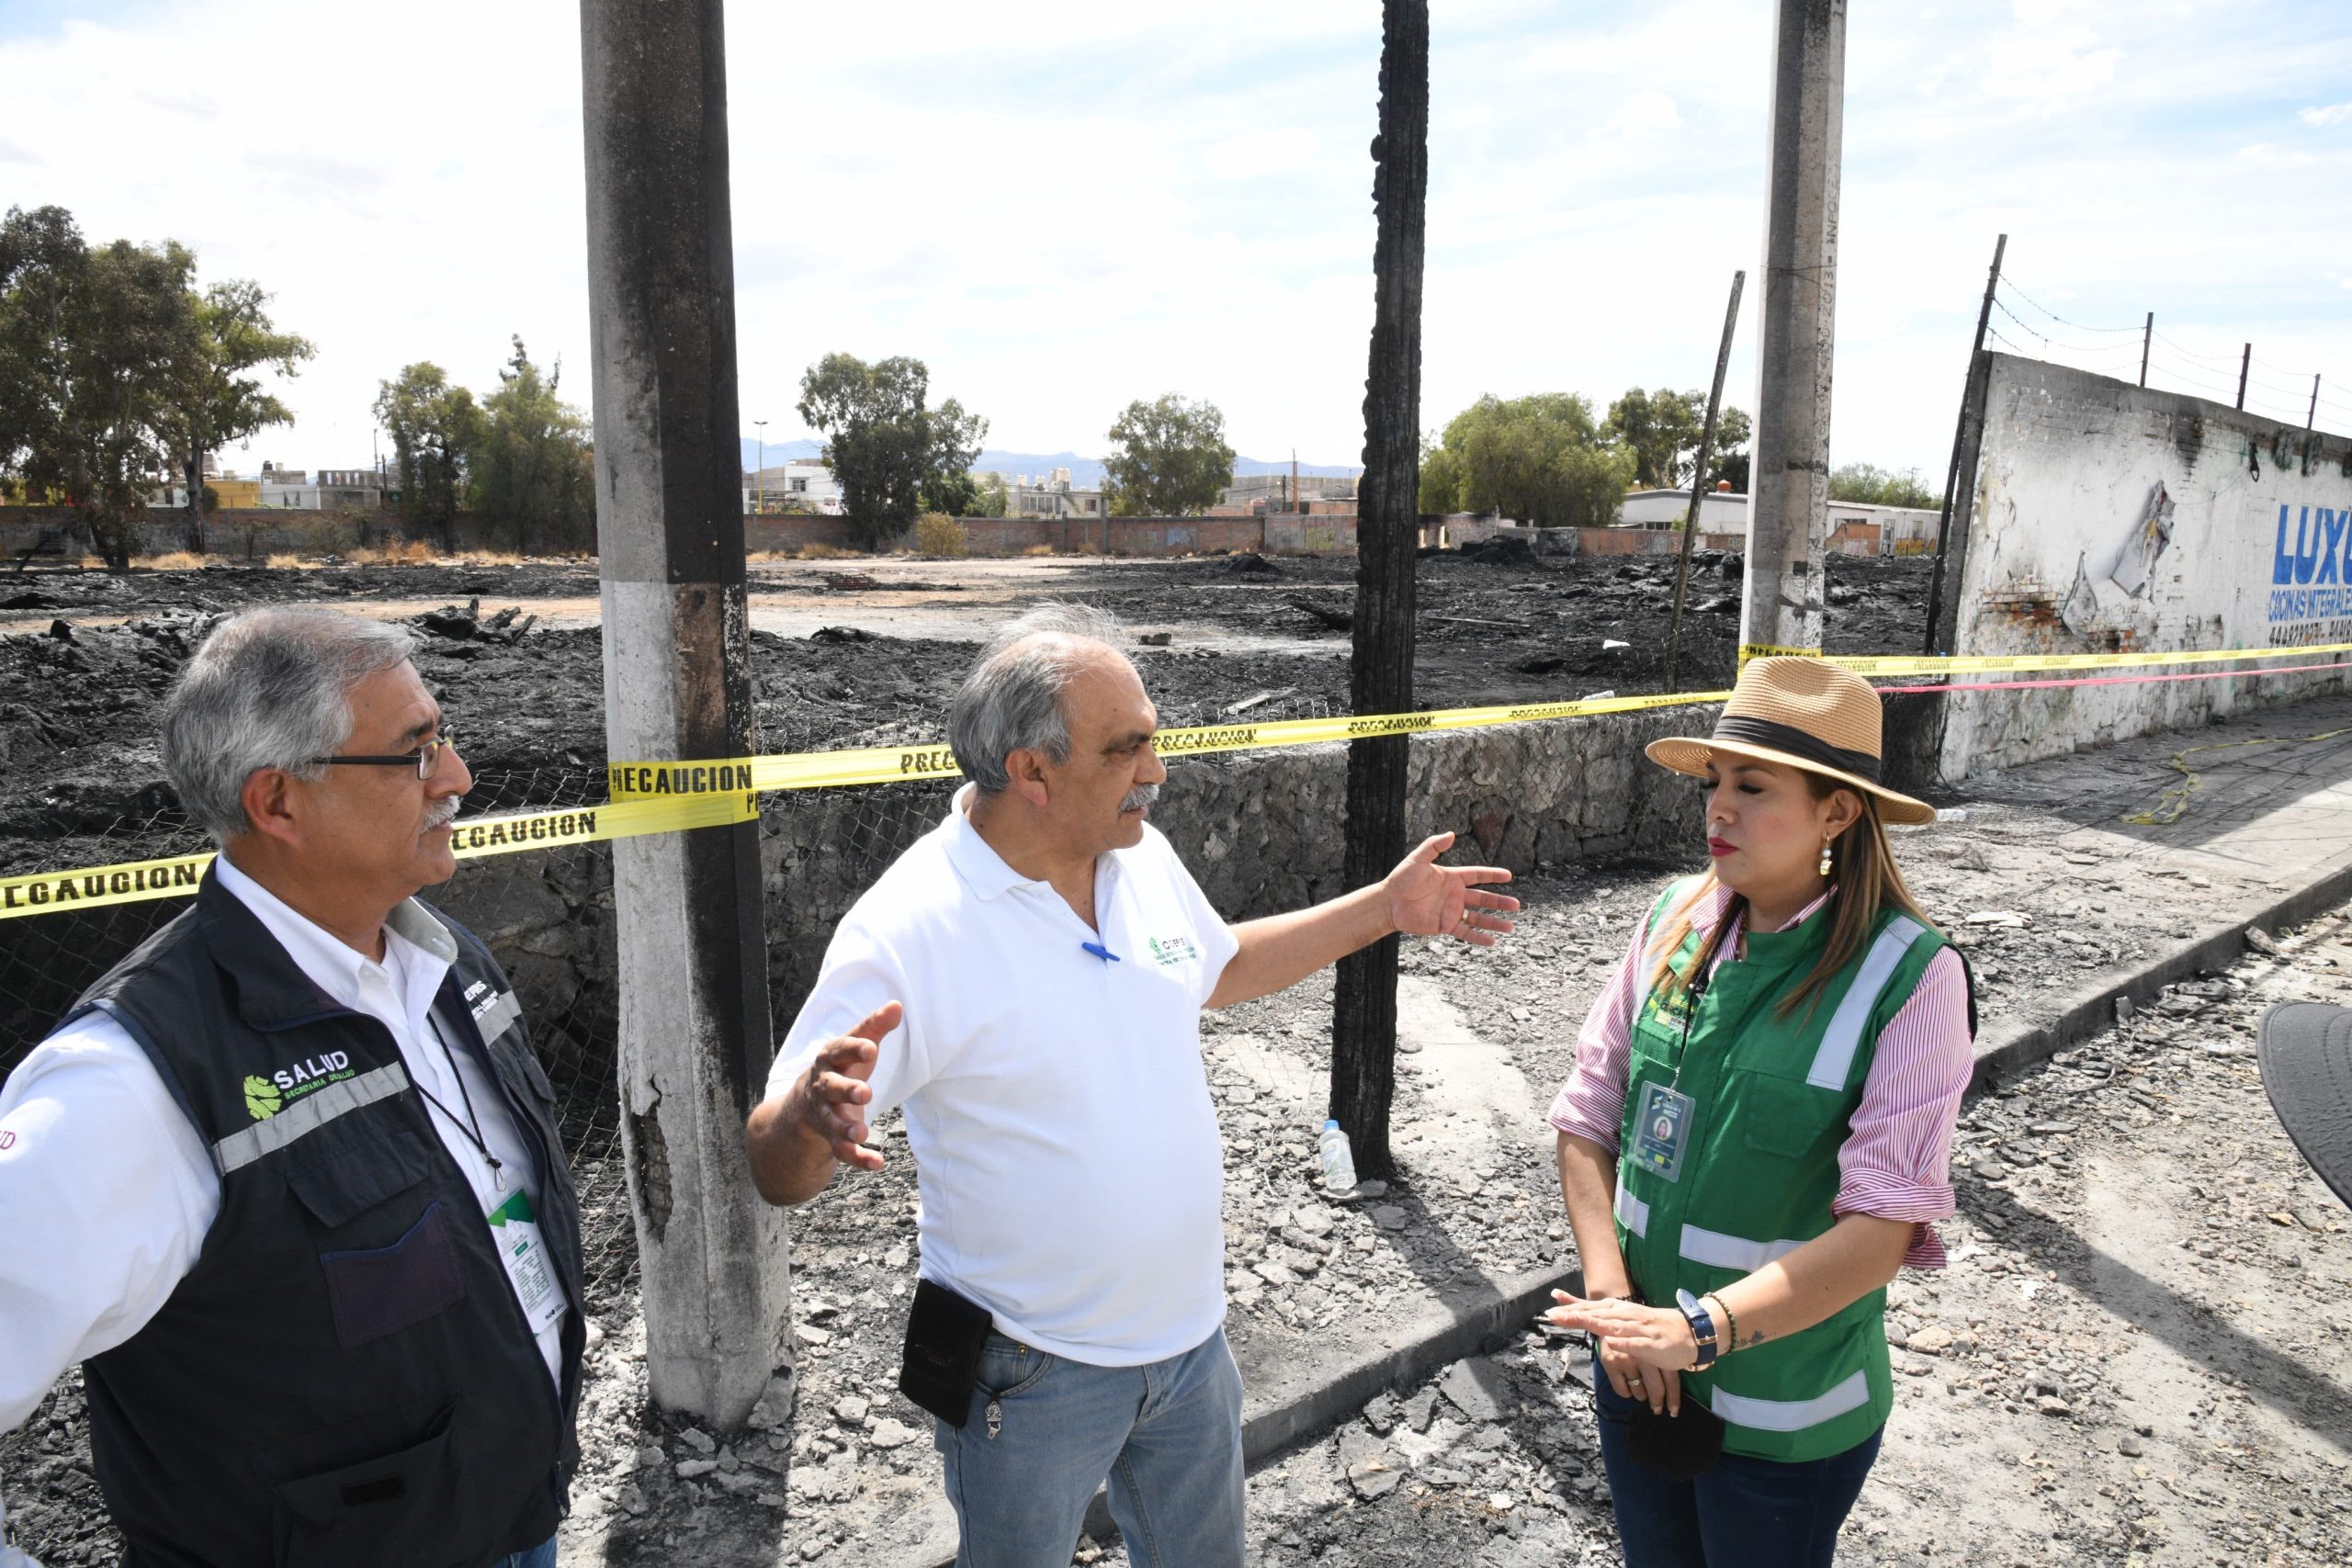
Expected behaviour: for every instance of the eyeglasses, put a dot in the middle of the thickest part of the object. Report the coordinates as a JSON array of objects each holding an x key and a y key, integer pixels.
[{"x": 422, "y": 759}]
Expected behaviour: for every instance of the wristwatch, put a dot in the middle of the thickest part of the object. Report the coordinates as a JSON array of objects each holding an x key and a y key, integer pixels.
[{"x": 1703, "y": 1330}]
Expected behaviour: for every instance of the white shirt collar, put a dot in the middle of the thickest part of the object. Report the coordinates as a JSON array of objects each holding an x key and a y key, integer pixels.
[
  {"x": 981, "y": 868},
  {"x": 424, "y": 946}
]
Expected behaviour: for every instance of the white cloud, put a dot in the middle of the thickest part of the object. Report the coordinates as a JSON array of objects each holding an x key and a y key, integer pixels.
[
  {"x": 2332, "y": 114},
  {"x": 1066, "y": 206}
]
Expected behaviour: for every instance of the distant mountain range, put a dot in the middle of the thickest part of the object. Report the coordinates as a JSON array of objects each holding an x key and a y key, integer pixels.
[{"x": 1084, "y": 472}]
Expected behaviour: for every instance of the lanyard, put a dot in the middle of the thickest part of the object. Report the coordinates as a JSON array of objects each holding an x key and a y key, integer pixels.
[{"x": 471, "y": 1125}]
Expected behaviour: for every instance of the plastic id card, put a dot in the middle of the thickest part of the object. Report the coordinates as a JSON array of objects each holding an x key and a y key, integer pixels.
[
  {"x": 1661, "y": 1130},
  {"x": 515, "y": 1230}
]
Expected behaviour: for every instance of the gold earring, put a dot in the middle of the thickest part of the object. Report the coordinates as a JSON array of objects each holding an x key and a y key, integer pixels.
[{"x": 1825, "y": 857}]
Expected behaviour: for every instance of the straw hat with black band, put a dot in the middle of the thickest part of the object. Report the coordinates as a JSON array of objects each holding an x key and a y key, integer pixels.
[{"x": 1805, "y": 714}]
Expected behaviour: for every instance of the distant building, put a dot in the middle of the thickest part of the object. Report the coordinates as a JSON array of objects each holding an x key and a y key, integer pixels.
[
  {"x": 803, "y": 484},
  {"x": 1274, "y": 492},
  {"x": 1887, "y": 530},
  {"x": 1050, "y": 495}
]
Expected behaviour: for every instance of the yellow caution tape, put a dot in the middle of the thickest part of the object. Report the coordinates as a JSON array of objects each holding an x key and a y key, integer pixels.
[
  {"x": 1748, "y": 650},
  {"x": 2173, "y": 804},
  {"x": 52, "y": 892},
  {"x": 892, "y": 764},
  {"x": 2025, "y": 664},
  {"x": 664, "y": 797}
]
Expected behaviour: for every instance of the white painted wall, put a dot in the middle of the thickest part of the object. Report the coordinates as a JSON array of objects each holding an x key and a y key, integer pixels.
[
  {"x": 1720, "y": 512},
  {"x": 2078, "y": 480}
]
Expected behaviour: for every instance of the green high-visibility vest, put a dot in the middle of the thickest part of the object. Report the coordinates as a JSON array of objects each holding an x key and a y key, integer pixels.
[{"x": 1774, "y": 1096}]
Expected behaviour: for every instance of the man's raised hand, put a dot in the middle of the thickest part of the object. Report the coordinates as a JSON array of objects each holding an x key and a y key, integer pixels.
[
  {"x": 835, "y": 1090},
  {"x": 1428, "y": 899}
]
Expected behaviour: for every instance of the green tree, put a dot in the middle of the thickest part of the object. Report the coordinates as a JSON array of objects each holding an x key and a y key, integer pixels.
[
  {"x": 93, "y": 345},
  {"x": 1870, "y": 486},
  {"x": 1662, "y": 430},
  {"x": 1729, "y": 463},
  {"x": 1540, "y": 458},
  {"x": 884, "y": 445},
  {"x": 1440, "y": 478},
  {"x": 531, "y": 465},
  {"x": 434, "y": 428},
  {"x": 955, "y": 438},
  {"x": 1171, "y": 459},
  {"x": 223, "y": 402}
]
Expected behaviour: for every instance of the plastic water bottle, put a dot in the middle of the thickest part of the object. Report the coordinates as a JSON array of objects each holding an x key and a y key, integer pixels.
[{"x": 1339, "y": 1162}]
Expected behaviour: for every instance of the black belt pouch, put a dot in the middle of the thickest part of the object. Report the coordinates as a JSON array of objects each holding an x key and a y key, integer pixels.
[{"x": 945, "y": 1334}]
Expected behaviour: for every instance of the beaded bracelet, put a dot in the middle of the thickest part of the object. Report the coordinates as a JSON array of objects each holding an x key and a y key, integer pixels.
[{"x": 1731, "y": 1324}]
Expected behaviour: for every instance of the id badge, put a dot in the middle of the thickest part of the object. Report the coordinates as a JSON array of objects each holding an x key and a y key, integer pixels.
[
  {"x": 515, "y": 1229},
  {"x": 1661, "y": 1130}
]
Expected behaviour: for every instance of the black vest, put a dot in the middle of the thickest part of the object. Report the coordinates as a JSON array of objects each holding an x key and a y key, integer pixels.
[{"x": 345, "y": 1377}]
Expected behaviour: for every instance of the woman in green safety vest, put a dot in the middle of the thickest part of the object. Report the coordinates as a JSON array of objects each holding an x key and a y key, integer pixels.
[{"x": 1758, "y": 1135}]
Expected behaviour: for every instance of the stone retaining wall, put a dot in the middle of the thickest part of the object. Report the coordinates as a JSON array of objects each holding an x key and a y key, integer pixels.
[{"x": 1260, "y": 832}]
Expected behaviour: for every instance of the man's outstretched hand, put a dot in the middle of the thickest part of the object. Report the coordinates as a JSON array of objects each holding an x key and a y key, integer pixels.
[
  {"x": 836, "y": 1088},
  {"x": 1428, "y": 899}
]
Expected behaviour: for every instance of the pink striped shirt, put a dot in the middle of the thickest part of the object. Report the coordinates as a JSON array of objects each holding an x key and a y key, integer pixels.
[{"x": 1897, "y": 1163}]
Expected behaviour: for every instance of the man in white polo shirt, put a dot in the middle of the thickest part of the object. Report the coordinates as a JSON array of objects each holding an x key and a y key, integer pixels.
[{"x": 1026, "y": 981}]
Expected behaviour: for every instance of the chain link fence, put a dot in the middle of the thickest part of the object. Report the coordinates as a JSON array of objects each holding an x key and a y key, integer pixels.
[{"x": 549, "y": 916}]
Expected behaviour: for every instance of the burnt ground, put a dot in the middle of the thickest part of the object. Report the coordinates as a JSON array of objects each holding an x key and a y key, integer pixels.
[{"x": 86, "y": 655}]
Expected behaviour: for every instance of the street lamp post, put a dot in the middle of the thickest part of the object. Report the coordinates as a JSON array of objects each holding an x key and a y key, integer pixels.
[{"x": 759, "y": 480}]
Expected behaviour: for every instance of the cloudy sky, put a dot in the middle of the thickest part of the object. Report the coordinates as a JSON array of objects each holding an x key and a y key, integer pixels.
[{"x": 1062, "y": 204}]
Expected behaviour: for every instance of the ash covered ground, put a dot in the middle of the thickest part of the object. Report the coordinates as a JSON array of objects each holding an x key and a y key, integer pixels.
[{"x": 866, "y": 652}]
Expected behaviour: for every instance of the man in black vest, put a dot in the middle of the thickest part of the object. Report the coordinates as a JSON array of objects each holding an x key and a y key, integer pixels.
[{"x": 287, "y": 1181}]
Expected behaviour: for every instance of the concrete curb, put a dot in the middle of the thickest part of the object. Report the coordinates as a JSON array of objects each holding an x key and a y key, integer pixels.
[
  {"x": 1441, "y": 1337},
  {"x": 2091, "y": 1008}
]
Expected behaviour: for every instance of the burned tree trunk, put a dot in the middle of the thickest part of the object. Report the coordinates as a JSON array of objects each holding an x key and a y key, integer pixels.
[{"x": 1363, "y": 1038}]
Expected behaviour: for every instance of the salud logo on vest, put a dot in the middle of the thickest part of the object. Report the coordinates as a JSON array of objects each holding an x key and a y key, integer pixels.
[{"x": 265, "y": 1097}]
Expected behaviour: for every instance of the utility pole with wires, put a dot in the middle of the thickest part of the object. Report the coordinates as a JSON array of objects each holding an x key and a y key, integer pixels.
[
  {"x": 1699, "y": 479},
  {"x": 1788, "y": 503},
  {"x": 2313, "y": 415},
  {"x": 2244, "y": 365},
  {"x": 1959, "y": 443}
]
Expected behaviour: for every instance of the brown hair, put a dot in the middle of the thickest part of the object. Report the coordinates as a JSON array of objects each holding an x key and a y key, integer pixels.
[{"x": 1866, "y": 880}]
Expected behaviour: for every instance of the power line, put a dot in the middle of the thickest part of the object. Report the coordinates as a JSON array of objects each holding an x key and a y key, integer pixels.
[
  {"x": 2209, "y": 359},
  {"x": 2055, "y": 315}
]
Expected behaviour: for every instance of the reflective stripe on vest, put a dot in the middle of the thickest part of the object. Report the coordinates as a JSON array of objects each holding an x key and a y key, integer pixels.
[
  {"x": 1835, "y": 1058},
  {"x": 1791, "y": 1414},
  {"x": 308, "y": 1115},
  {"x": 1631, "y": 1213},
  {"x": 1720, "y": 1251}
]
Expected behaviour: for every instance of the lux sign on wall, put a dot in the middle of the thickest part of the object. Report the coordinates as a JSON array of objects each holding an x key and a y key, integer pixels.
[{"x": 2310, "y": 572}]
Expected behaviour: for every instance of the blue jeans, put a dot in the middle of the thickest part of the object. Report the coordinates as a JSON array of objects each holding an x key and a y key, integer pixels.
[
  {"x": 539, "y": 1556},
  {"x": 1752, "y": 1513},
  {"x": 1168, "y": 1437}
]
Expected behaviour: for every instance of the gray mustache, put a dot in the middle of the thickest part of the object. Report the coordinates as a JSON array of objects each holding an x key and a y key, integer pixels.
[
  {"x": 1138, "y": 797},
  {"x": 441, "y": 813}
]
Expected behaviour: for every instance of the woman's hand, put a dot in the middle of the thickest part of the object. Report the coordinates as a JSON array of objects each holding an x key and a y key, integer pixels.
[{"x": 1644, "y": 1349}]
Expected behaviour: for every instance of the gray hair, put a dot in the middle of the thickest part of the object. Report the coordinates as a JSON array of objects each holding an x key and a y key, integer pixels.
[
  {"x": 1012, "y": 701},
  {"x": 268, "y": 689}
]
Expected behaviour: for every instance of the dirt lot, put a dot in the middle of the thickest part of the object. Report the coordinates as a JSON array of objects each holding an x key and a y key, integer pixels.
[
  {"x": 2121, "y": 1240},
  {"x": 2136, "y": 1356},
  {"x": 849, "y": 665}
]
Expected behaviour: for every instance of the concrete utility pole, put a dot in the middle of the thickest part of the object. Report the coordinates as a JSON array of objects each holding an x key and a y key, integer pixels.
[
  {"x": 693, "y": 1010},
  {"x": 1789, "y": 483},
  {"x": 1364, "y": 997},
  {"x": 1959, "y": 444},
  {"x": 1699, "y": 480}
]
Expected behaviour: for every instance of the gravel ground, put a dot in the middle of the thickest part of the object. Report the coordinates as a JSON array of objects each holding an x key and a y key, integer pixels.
[{"x": 2136, "y": 1356}]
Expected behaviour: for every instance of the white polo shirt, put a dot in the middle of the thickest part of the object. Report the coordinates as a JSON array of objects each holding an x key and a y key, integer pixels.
[{"x": 1065, "y": 1145}]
